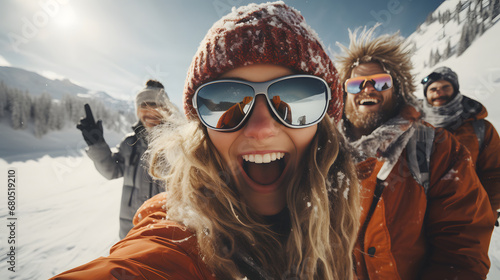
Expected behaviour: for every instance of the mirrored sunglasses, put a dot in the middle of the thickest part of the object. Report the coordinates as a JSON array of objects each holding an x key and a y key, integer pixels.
[
  {"x": 379, "y": 82},
  {"x": 297, "y": 101}
]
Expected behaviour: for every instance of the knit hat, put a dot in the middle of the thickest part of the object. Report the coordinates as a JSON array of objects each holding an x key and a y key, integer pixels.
[
  {"x": 153, "y": 92},
  {"x": 268, "y": 33},
  {"x": 442, "y": 73}
]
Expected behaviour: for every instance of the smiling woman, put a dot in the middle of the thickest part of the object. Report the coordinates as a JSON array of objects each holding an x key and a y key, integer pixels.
[{"x": 259, "y": 187}]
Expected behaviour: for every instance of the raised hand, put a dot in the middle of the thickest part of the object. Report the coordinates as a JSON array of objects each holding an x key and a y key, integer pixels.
[{"x": 92, "y": 131}]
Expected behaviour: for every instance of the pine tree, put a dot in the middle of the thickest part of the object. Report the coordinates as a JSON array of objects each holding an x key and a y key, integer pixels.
[
  {"x": 464, "y": 42},
  {"x": 430, "y": 18},
  {"x": 20, "y": 108},
  {"x": 57, "y": 116},
  {"x": 457, "y": 11},
  {"x": 437, "y": 57},
  {"x": 41, "y": 114},
  {"x": 494, "y": 9},
  {"x": 447, "y": 51},
  {"x": 3, "y": 99},
  {"x": 431, "y": 58},
  {"x": 481, "y": 28}
]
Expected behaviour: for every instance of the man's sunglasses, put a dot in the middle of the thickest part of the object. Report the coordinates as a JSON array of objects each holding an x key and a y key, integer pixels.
[
  {"x": 297, "y": 101},
  {"x": 379, "y": 82}
]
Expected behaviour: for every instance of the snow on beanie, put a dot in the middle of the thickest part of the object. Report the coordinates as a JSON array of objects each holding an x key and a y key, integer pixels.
[
  {"x": 269, "y": 33},
  {"x": 442, "y": 73},
  {"x": 152, "y": 93}
]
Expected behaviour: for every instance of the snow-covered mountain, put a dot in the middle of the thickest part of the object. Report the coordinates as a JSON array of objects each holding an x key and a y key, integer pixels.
[
  {"x": 478, "y": 65},
  {"x": 36, "y": 84},
  {"x": 30, "y": 101},
  {"x": 453, "y": 27}
]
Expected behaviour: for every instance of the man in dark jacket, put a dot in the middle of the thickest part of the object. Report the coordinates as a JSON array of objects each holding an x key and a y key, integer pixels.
[
  {"x": 126, "y": 161},
  {"x": 444, "y": 106}
]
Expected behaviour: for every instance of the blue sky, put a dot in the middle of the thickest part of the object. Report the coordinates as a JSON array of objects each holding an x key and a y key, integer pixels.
[{"x": 115, "y": 46}]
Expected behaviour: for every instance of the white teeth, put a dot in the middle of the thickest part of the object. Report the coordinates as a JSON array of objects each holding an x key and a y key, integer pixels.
[
  {"x": 266, "y": 158},
  {"x": 263, "y": 158},
  {"x": 368, "y": 100},
  {"x": 258, "y": 158}
]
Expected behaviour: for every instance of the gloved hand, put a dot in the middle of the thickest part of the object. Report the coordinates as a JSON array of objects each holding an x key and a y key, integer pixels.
[{"x": 92, "y": 131}]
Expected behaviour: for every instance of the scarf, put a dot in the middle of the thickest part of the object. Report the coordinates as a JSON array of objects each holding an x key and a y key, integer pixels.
[
  {"x": 445, "y": 115},
  {"x": 385, "y": 143}
]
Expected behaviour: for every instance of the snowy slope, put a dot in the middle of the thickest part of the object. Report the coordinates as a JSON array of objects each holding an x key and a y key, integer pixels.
[
  {"x": 478, "y": 68},
  {"x": 62, "y": 206},
  {"x": 62, "y": 203}
]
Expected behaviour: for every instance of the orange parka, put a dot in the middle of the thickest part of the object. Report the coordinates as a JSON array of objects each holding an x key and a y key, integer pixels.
[
  {"x": 153, "y": 249},
  {"x": 487, "y": 157},
  {"x": 407, "y": 233}
]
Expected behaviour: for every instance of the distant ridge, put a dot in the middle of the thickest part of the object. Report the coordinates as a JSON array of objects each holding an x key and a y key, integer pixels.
[{"x": 37, "y": 84}]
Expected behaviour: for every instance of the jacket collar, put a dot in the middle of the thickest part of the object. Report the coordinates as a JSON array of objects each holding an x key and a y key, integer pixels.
[
  {"x": 140, "y": 131},
  {"x": 473, "y": 110}
]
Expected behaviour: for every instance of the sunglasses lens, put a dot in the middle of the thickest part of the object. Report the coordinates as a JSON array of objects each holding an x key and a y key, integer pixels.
[
  {"x": 379, "y": 82},
  {"x": 299, "y": 101},
  {"x": 382, "y": 82},
  {"x": 354, "y": 85},
  {"x": 225, "y": 104}
]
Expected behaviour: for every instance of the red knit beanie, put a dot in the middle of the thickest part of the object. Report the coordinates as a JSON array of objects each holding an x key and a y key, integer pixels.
[{"x": 269, "y": 33}]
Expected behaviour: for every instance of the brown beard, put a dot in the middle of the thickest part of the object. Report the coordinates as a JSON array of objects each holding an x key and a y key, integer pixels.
[{"x": 368, "y": 121}]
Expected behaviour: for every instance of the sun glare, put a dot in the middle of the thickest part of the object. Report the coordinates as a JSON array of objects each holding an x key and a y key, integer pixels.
[{"x": 66, "y": 17}]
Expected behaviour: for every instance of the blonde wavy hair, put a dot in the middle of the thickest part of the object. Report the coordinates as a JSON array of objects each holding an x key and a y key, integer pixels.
[
  {"x": 391, "y": 51},
  {"x": 323, "y": 205}
]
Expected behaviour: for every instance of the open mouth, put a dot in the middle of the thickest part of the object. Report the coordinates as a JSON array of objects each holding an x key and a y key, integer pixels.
[
  {"x": 442, "y": 98},
  {"x": 264, "y": 169},
  {"x": 369, "y": 101}
]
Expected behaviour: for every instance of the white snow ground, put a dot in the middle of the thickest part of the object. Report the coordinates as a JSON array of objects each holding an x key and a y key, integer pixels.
[
  {"x": 62, "y": 204},
  {"x": 67, "y": 213}
]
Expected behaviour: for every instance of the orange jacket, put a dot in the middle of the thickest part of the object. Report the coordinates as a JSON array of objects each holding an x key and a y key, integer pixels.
[
  {"x": 153, "y": 249},
  {"x": 487, "y": 160},
  {"x": 444, "y": 234}
]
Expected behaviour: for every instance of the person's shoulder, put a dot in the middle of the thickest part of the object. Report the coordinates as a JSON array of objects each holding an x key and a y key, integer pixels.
[
  {"x": 128, "y": 141},
  {"x": 153, "y": 206},
  {"x": 154, "y": 236},
  {"x": 129, "y": 138},
  {"x": 446, "y": 148},
  {"x": 473, "y": 109},
  {"x": 155, "y": 248},
  {"x": 489, "y": 126},
  {"x": 152, "y": 215},
  {"x": 440, "y": 134}
]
